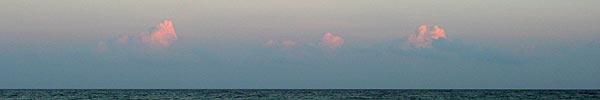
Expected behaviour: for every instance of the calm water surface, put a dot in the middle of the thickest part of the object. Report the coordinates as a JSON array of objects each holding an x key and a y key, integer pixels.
[{"x": 294, "y": 94}]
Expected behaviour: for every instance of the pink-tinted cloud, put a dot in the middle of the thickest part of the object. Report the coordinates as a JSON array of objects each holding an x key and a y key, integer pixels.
[
  {"x": 270, "y": 43},
  {"x": 162, "y": 37},
  {"x": 426, "y": 35},
  {"x": 288, "y": 43},
  {"x": 438, "y": 32},
  {"x": 283, "y": 43},
  {"x": 331, "y": 41}
]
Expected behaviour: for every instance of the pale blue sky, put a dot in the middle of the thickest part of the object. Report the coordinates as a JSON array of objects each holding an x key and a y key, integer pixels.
[{"x": 221, "y": 44}]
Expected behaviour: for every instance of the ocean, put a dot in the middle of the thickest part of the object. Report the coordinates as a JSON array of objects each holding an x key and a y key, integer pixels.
[{"x": 277, "y": 94}]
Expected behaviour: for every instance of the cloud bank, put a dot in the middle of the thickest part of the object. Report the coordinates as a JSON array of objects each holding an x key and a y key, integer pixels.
[
  {"x": 161, "y": 37},
  {"x": 328, "y": 41}
]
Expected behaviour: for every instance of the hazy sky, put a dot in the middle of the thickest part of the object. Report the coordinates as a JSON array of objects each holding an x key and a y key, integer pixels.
[{"x": 299, "y": 44}]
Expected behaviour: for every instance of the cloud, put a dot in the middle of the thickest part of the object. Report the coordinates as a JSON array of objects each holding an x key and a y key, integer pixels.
[
  {"x": 288, "y": 43},
  {"x": 283, "y": 43},
  {"x": 430, "y": 42},
  {"x": 331, "y": 41},
  {"x": 425, "y": 36},
  {"x": 269, "y": 43},
  {"x": 161, "y": 37},
  {"x": 328, "y": 40}
]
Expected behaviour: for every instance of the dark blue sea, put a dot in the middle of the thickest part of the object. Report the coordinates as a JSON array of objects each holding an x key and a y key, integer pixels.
[{"x": 277, "y": 94}]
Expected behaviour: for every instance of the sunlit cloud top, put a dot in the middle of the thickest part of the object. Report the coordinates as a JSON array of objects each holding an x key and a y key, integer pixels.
[
  {"x": 161, "y": 37},
  {"x": 331, "y": 41},
  {"x": 425, "y": 36}
]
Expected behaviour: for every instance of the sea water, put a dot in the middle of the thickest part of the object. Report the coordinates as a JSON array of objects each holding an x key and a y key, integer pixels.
[{"x": 453, "y": 94}]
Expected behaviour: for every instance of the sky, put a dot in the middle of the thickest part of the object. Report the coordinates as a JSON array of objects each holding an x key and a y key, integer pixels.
[{"x": 308, "y": 44}]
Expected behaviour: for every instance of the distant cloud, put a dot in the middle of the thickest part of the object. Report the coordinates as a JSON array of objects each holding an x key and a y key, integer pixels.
[
  {"x": 161, "y": 37},
  {"x": 269, "y": 43},
  {"x": 288, "y": 43},
  {"x": 331, "y": 41},
  {"x": 283, "y": 43},
  {"x": 425, "y": 36},
  {"x": 328, "y": 40}
]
